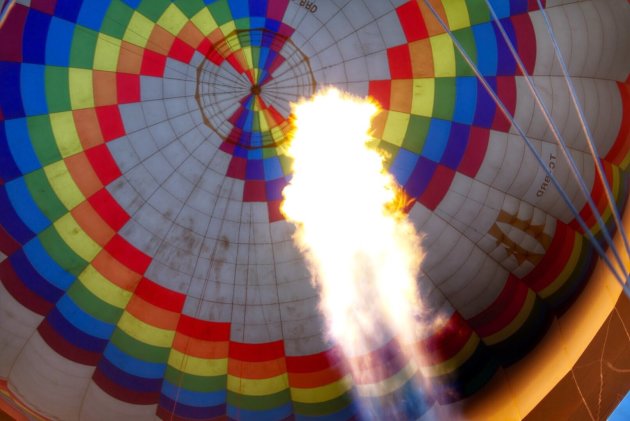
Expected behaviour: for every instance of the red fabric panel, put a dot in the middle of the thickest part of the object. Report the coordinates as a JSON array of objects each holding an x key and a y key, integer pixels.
[
  {"x": 128, "y": 255},
  {"x": 257, "y": 352}
]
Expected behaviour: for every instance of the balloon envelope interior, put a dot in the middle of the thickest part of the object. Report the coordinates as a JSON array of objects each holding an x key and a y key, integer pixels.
[{"x": 149, "y": 270}]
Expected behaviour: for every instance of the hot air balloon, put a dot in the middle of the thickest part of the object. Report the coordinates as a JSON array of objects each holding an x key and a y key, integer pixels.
[{"x": 149, "y": 271}]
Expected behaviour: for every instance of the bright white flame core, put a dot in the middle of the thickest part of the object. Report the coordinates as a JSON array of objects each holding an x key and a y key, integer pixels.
[{"x": 363, "y": 254}]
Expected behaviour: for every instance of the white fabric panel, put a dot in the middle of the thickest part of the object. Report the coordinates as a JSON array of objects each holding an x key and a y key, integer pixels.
[
  {"x": 17, "y": 324},
  {"x": 51, "y": 384},
  {"x": 590, "y": 35}
]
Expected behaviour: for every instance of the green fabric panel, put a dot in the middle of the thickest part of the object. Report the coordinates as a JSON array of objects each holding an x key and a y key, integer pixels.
[
  {"x": 256, "y": 123},
  {"x": 60, "y": 252},
  {"x": 93, "y": 305},
  {"x": 195, "y": 383},
  {"x": 190, "y": 7},
  {"x": 153, "y": 9},
  {"x": 389, "y": 151},
  {"x": 220, "y": 11},
  {"x": 44, "y": 196},
  {"x": 117, "y": 19},
  {"x": 83, "y": 47},
  {"x": 269, "y": 152},
  {"x": 477, "y": 11},
  {"x": 258, "y": 403},
  {"x": 467, "y": 40},
  {"x": 42, "y": 139},
  {"x": 242, "y": 23},
  {"x": 57, "y": 89},
  {"x": 444, "y": 103},
  {"x": 323, "y": 408},
  {"x": 416, "y": 133},
  {"x": 138, "y": 349},
  {"x": 256, "y": 57}
]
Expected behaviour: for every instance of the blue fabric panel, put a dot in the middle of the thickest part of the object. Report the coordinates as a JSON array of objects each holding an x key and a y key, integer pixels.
[
  {"x": 8, "y": 168},
  {"x": 484, "y": 114},
  {"x": 46, "y": 266},
  {"x": 239, "y": 9},
  {"x": 255, "y": 170},
  {"x": 68, "y": 9},
  {"x": 92, "y": 13},
  {"x": 273, "y": 168},
  {"x": 518, "y": 7},
  {"x": 501, "y": 8},
  {"x": 486, "y": 41},
  {"x": 33, "y": 88},
  {"x": 506, "y": 64},
  {"x": 191, "y": 398},
  {"x": 437, "y": 139},
  {"x": 84, "y": 321},
  {"x": 24, "y": 205},
  {"x": 279, "y": 413},
  {"x": 125, "y": 379},
  {"x": 134, "y": 3},
  {"x": 11, "y": 98},
  {"x": 257, "y": 8},
  {"x": 465, "y": 99},
  {"x": 73, "y": 335},
  {"x": 403, "y": 165},
  {"x": 10, "y": 220},
  {"x": 32, "y": 279},
  {"x": 19, "y": 141},
  {"x": 192, "y": 412},
  {"x": 132, "y": 365},
  {"x": 457, "y": 142},
  {"x": 35, "y": 34},
  {"x": 59, "y": 42},
  {"x": 274, "y": 188},
  {"x": 420, "y": 177}
]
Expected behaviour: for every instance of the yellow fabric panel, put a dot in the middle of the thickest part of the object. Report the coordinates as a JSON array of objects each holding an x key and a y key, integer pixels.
[
  {"x": 81, "y": 88},
  {"x": 456, "y": 14},
  {"x": 65, "y": 133},
  {"x": 264, "y": 123},
  {"x": 390, "y": 384},
  {"x": 226, "y": 29},
  {"x": 173, "y": 20},
  {"x": 144, "y": 332},
  {"x": 197, "y": 366},
  {"x": 515, "y": 324},
  {"x": 103, "y": 288},
  {"x": 322, "y": 393},
  {"x": 204, "y": 22},
  {"x": 566, "y": 272},
  {"x": 443, "y": 55},
  {"x": 396, "y": 127},
  {"x": 276, "y": 133},
  {"x": 106, "y": 53},
  {"x": 258, "y": 387},
  {"x": 423, "y": 97},
  {"x": 455, "y": 361},
  {"x": 138, "y": 30},
  {"x": 249, "y": 57},
  {"x": 63, "y": 185},
  {"x": 76, "y": 238}
]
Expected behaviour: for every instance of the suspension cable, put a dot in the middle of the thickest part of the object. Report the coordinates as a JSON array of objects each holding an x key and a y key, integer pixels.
[
  {"x": 559, "y": 138},
  {"x": 585, "y": 128},
  {"x": 531, "y": 147}
]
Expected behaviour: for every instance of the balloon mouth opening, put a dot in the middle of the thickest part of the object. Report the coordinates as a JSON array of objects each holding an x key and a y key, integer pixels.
[{"x": 255, "y": 89}]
